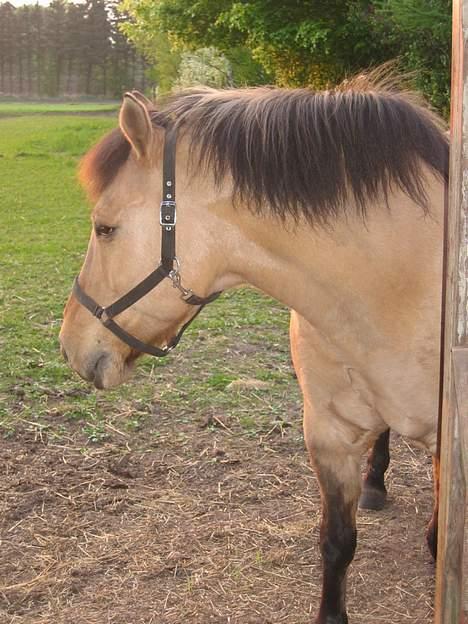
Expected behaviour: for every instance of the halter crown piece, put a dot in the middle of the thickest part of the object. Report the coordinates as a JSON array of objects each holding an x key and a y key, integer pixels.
[{"x": 168, "y": 268}]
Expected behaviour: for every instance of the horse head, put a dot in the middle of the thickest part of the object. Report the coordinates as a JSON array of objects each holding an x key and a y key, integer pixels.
[{"x": 131, "y": 174}]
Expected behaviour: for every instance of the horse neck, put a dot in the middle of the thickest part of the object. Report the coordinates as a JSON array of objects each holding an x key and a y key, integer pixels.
[{"x": 373, "y": 270}]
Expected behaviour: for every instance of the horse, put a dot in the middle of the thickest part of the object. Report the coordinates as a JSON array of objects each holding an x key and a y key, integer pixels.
[{"x": 330, "y": 202}]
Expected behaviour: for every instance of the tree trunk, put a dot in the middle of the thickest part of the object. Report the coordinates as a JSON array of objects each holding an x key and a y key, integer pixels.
[
  {"x": 89, "y": 75},
  {"x": 68, "y": 87}
]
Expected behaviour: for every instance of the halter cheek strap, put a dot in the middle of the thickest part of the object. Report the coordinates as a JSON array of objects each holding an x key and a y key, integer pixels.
[{"x": 168, "y": 268}]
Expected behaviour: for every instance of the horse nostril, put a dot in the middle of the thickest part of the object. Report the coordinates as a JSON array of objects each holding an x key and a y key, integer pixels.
[
  {"x": 64, "y": 353},
  {"x": 98, "y": 372}
]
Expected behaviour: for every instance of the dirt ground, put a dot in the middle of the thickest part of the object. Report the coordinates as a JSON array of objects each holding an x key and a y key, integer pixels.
[{"x": 198, "y": 526}]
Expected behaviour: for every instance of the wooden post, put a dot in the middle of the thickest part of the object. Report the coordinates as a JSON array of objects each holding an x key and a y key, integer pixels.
[{"x": 452, "y": 562}]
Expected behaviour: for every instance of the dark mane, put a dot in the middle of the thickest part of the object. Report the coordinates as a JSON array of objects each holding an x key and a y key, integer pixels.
[{"x": 302, "y": 153}]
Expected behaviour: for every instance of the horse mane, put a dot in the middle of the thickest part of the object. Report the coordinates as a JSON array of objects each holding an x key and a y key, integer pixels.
[{"x": 297, "y": 152}]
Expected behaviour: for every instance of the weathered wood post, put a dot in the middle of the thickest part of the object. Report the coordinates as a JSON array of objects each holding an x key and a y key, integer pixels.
[{"x": 452, "y": 563}]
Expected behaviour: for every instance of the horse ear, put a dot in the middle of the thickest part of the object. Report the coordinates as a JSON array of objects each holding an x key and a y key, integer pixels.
[
  {"x": 136, "y": 125},
  {"x": 143, "y": 99}
]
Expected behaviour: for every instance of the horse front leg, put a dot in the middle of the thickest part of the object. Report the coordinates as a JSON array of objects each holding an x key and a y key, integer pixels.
[
  {"x": 338, "y": 472},
  {"x": 374, "y": 492},
  {"x": 339, "y": 423}
]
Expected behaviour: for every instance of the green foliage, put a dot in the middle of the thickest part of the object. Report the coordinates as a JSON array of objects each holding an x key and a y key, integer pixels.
[
  {"x": 205, "y": 66},
  {"x": 309, "y": 42},
  {"x": 162, "y": 31},
  {"x": 152, "y": 42},
  {"x": 421, "y": 32}
]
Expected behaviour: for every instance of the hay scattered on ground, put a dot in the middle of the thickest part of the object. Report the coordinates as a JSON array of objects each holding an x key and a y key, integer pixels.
[{"x": 206, "y": 527}]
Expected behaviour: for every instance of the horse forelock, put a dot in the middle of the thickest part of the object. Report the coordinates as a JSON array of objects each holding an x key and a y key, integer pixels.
[
  {"x": 295, "y": 152},
  {"x": 101, "y": 163}
]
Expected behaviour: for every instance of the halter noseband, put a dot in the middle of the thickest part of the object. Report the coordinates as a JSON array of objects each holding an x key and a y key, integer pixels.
[{"x": 168, "y": 268}]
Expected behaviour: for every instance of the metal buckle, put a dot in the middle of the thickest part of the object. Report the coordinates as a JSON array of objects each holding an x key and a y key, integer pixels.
[
  {"x": 101, "y": 314},
  {"x": 174, "y": 276},
  {"x": 167, "y": 214},
  {"x": 98, "y": 311}
]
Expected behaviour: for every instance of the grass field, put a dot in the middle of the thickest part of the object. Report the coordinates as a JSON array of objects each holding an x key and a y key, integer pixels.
[
  {"x": 11, "y": 109},
  {"x": 178, "y": 498}
]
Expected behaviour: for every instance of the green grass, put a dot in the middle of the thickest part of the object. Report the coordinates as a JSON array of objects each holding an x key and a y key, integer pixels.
[
  {"x": 30, "y": 108},
  {"x": 44, "y": 224}
]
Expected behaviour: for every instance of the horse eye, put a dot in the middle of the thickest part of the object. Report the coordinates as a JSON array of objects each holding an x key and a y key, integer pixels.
[{"x": 104, "y": 230}]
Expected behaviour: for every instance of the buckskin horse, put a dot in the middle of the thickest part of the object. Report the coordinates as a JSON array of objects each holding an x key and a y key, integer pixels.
[{"x": 332, "y": 203}]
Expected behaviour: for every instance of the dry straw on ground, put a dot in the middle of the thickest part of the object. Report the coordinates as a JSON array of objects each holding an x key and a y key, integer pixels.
[{"x": 201, "y": 527}]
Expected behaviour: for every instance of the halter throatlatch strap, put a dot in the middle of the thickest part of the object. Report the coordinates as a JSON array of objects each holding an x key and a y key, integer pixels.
[{"x": 168, "y": 267}]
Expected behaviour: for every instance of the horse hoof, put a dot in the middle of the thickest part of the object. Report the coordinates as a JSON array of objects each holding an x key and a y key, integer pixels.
[
  {"x": 431, "y": 539},
  {"x": 340, "y": 619},
  {"x": 372, "y": 498}
]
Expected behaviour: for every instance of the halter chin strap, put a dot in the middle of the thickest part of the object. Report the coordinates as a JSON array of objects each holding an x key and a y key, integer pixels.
[{"x": 168, "y": 268}]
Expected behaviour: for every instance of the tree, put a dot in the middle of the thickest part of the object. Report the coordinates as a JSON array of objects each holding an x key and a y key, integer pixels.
[
  {"x": 66, "y": 48},
  {"x": 38, "y": 44},
  {"x": 24, "y": 15},
  {"x": 75, "y": 46},
  {"x": 421, "y": 30},
  {"x": 205, "y": 66},
  {"x": 195, "y": 27},
  {"x": 8, "y": 44},
  {"x": 56, "y": 37},
  {"x": 97, "y": 45}
]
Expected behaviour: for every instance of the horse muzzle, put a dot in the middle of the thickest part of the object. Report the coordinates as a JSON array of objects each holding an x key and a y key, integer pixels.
[{"x": 100, "y": 368}]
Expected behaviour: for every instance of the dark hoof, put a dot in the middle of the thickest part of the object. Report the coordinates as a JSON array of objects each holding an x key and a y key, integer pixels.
[
  {"x": 333, "y": 619},
  {"x": 431, "y": 539},
  {"x": 372, "y": 498}
]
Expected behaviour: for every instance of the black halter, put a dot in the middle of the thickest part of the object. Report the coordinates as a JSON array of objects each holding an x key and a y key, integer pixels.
[{"x": 169, "y": 267}]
